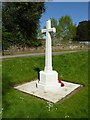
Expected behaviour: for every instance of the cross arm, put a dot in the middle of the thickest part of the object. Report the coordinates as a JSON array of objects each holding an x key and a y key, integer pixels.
[
  {"x": 43, "y": 30},
  {"x": 49, "y": 30},
  {"x": 52, "y": 30}
]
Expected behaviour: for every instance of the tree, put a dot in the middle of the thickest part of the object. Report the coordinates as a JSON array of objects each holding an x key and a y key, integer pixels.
[
  {"x": 39, "y": 33},
  {"x": 83, "y": 31},
  {"x": 66, "y": 28},
  {"x": 20, "y": 23}
]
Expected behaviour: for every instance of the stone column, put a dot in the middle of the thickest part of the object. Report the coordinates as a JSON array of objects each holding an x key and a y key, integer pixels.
[{"x": 48, "y": 53}]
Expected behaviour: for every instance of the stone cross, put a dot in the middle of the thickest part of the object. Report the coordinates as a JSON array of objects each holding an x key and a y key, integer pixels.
[
  {"x": 48, "y": 54},
  {"x": 48, "y": 77}
]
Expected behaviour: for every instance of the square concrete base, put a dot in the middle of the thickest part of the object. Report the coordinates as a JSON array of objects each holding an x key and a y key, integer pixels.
[{"x": 54, "y": 95}]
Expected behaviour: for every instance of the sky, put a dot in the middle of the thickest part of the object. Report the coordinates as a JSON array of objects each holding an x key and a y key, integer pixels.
[{"x": 78, "y": 11}]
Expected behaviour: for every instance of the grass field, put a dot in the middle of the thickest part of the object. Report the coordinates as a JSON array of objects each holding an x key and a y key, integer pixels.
[
  {"x": 70, "y": 67},
  {"x": 0, "y": 87}
]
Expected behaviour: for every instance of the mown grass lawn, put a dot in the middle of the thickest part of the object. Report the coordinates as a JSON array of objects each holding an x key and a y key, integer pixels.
[{"x": 70, "y": 67}]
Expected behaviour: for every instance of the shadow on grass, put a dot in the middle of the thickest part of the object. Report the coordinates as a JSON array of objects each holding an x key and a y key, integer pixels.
[
  {"x": 6, "y": 88},
  {"x": 6, "y": 84}
]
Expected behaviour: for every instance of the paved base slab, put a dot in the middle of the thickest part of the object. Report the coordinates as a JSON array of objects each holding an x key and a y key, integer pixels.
[{"x": 53, "y": 95}]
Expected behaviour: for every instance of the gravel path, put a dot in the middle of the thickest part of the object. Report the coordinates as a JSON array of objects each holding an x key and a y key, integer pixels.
[{"x": 35, "y": 54}]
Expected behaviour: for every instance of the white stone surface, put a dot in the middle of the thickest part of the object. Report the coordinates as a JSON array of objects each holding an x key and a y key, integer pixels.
[
  {"x": 48, "y": 77},
  {"x": 53, "y": 95}
]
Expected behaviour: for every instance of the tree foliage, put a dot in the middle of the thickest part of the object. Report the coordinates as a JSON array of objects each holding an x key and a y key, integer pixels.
[
  {"x": 83, "y": 31},
  {"x": 20, "y": 23},
  {"x": 39, "y": 33},
  {"x": 65, "y": 29}
]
